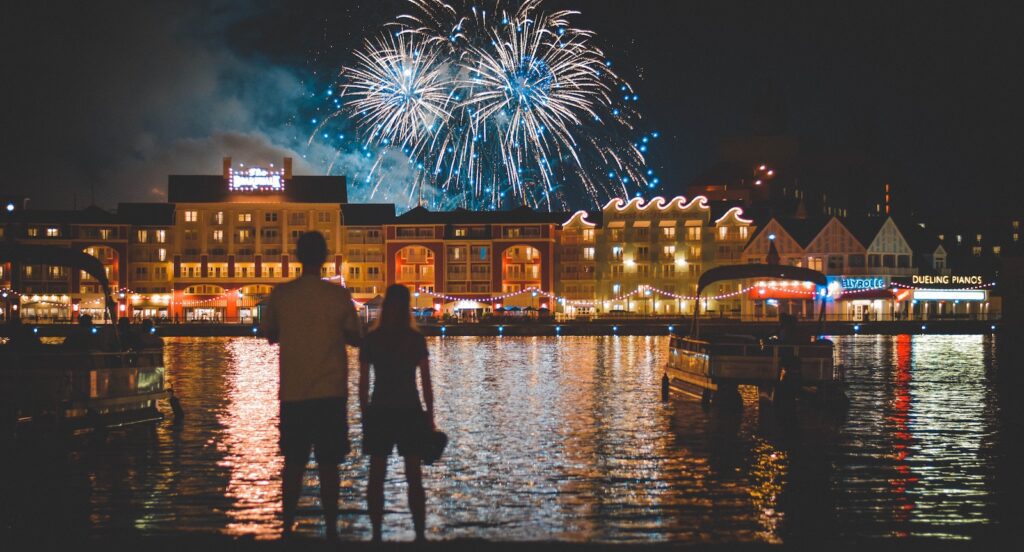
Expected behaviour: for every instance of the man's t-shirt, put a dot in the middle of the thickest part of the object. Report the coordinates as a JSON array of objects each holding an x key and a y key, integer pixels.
[
  {"x": 394, "y": 357},
  {"x": 310, "y": 317}
]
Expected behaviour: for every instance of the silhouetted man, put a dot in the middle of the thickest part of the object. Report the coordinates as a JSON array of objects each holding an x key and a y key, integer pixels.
[{"x": 313, "y": 320}]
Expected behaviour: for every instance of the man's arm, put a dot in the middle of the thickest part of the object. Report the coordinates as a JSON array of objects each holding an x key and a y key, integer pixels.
[
  {"x": 351, "y": 326},
  {"x": 268, "y": 321}
]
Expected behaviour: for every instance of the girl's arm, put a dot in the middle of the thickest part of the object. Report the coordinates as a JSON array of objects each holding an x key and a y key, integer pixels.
[
  {"x": 364, "y": 386},
  {"x": 428, "y": 389}
]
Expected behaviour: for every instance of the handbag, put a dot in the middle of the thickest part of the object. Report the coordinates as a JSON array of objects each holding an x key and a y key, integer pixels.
[{"x": 434, "y": 445}]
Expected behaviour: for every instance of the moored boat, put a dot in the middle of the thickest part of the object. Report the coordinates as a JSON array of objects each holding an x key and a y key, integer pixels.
[
  {"x": 781, "y": 366},
  {"x": 51, "y": 387}
]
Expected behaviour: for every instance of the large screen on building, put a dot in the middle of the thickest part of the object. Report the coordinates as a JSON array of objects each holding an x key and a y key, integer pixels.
[{"x": 255, "y": 179}]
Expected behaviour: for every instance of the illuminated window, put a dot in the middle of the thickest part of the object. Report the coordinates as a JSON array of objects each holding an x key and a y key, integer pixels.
[
  {"x": 353, "y": 272},
  {"x": 668, "y": 232},
  {"x": 976, "y": 250},
  {"x": 588, "y": 253},
  {"x": 105, "y": 233},
  {"x": 723, "y": 232},
  {"x": 616, "y": 270},
  {"x": 191, "y": 234},
  {"x": 191, "y": 216},
  {"x": 161, "y": 236},
  {"x": 996, "y": 249},
  {"x": 616, "y": 288},
  {"x": 142, "y": 236},
  {"x": 693, "y": 233},
  {"x": 744, "y": 232},
  {"x": 668, "y": 252},
  {"x": 33, "y": 232},
  {"x": 53, "y": 232},
  {"x": 323, "y": 216},
  {"x": 959, "y": 238},
  {"x": 244, "y": 217},
  {"x": 161, "y": 254},
  {"x": 218, "y": 217},
  {"x": 460, "y": 232},
  {"x": 815, "y": 263},
  {"x": 1016, "y": 236},
  {"x": 1016, "y": 225},
  {"x": 218, "y": 236},
  {"x": 617, "y": 253},
  {"x": 979, "y": 238},
  {"x": 588, "y": 234}
]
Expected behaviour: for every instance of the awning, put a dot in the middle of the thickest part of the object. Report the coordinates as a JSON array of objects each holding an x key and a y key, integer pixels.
[
  {"x": 642, "y": 224},
  {"x": 617, "y": 224},
  {"x": 664, "y": 223},
  {"x": 852, "y": 295}
]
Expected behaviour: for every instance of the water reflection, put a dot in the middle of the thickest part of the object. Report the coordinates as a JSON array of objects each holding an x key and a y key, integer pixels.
[{"x": 565, "y": 438}]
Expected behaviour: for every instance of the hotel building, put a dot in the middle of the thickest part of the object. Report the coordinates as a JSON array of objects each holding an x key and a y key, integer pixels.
[{"x": 216, "y": 248}]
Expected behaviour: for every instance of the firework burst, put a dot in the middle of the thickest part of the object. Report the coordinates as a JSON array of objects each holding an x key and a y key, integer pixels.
[{"x": 499, "y": 106}]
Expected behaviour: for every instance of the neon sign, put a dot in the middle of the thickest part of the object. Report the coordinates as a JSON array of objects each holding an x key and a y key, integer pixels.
[
  {"x": 256, "y": 179},
  {"x": 871, "y": 282},
  {"x": 946, "y": 279}
]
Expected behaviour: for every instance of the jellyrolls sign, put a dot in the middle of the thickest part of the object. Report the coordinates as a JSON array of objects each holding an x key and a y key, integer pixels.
[{"x": 852, "y": 283}]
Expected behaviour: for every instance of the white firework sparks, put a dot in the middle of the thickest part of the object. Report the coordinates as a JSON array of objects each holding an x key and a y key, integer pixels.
[{"x": 498, "y": 106}]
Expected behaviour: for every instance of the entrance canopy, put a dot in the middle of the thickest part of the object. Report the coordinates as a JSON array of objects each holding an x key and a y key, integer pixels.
[{"x": 739, "y": 272}]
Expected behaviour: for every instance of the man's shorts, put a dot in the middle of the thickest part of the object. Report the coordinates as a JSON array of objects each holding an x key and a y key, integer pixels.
[
  {"x": 383, "y": 428},
  {"x": 320, "y": 424}
]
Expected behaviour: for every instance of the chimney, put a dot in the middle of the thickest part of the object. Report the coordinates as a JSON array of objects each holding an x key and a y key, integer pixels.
[
  {"x": 227, "y": 168},
  {"x": 287, "y": 168}
]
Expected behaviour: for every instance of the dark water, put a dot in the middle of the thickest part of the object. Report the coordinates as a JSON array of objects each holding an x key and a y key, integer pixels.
[{"x": 564, "y": 438}]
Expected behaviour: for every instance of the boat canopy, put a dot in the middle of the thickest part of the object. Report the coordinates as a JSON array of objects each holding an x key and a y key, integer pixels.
[
  {"x": 738, "y": 272},
  {"x": 59, "y": 256}
]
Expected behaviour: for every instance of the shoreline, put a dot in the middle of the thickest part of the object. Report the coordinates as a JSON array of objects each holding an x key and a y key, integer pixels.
[{"x": 625, "y": 327}]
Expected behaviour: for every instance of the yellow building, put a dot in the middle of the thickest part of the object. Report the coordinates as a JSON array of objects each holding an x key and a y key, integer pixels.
[{"x": 235, "y": 236}]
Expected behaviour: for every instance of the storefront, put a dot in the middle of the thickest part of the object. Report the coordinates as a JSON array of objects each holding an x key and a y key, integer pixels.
[
  {"x": 861, "y": 298},
  {"x": 45, "y": 309},
  {"x": 770, "y": 298},
  {"x": 946, "y": 295}
]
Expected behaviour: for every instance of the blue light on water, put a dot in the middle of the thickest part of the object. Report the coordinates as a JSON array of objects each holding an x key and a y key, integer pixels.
[
  {"x": 255, "y": 329},
  {"x": 856, "y": 327}
]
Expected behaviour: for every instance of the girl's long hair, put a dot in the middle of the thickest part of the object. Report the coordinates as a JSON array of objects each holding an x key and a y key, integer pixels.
[{"x": 395, "y": 313}]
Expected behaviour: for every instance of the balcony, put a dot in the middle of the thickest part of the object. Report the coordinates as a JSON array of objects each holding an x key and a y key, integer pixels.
[
  {"x": 374, "y": 257},
  {"x": 417, "y": 259}
]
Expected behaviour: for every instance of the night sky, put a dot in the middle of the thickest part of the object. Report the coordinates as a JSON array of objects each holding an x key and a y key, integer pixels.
[{"x": 108, "y": 98}]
